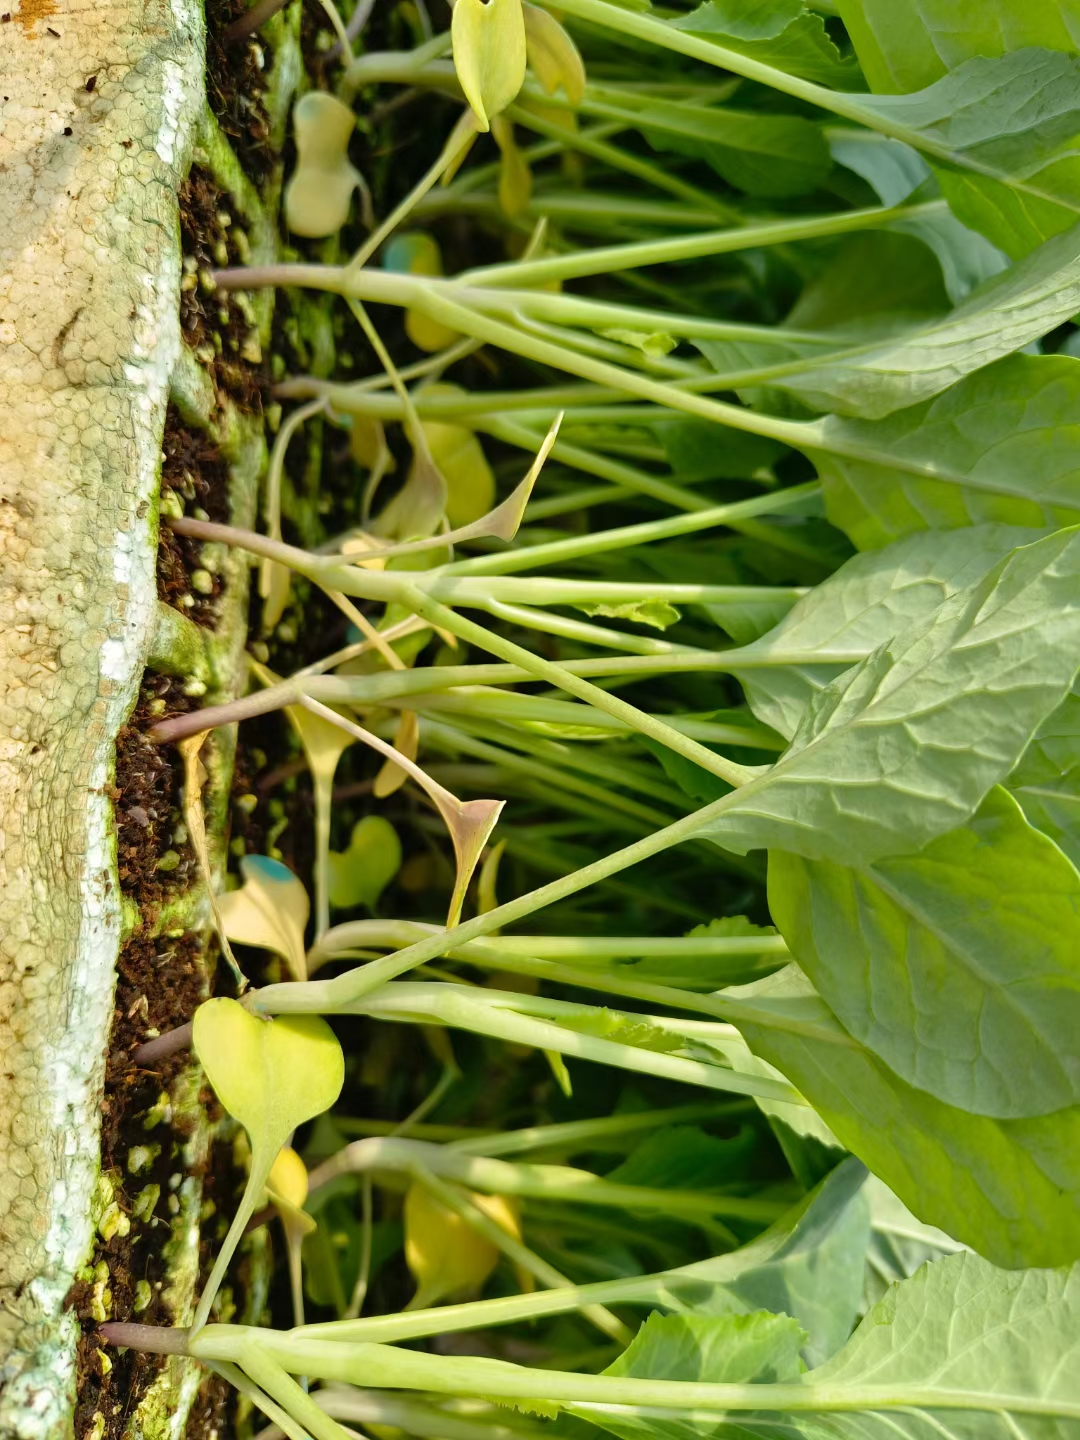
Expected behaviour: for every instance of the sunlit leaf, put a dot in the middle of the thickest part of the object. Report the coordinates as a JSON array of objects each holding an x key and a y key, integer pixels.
[
  {"x": 270, "y": 910},
  {"x": 317, "y": 198},
  {"x": 489, "y": 54}
]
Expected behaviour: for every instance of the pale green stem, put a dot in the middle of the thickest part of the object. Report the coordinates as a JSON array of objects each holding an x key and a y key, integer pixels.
[
  {"x": 444, "y": 618},
  {"x": 273, "y": 1412},
  {"x": 386, "y": 1366},
  {"x": 592, "y": 1134},
  {"x": 578, "y": 630},
  {"x": 537, "y": 1182},
  {"x": 253, "y": 1191},
  {"x": 254, "y": 1358},
  {"x": 556, "y": 552},
  {"x": 590, "y": 463},
  {"x": 608, "y": 259},
  {"x": 363, "y": 1274},
  {"x": 342, "y": 991}
]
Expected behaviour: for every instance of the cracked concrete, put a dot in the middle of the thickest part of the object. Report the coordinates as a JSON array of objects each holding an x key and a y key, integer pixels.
[{"x": 100, "y": 101}]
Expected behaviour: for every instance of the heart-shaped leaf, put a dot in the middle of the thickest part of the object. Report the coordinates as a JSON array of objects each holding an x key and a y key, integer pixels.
[
  {"x": 271, "y": 1075},
  {"x": 360, "y": 874},
  {"x": 269, "y": 910}
]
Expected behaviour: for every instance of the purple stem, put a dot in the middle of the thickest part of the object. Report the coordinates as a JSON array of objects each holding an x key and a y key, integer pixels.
[
  {"x": 151, "y": 1339},
  {"x": 146, "y": 1057}
]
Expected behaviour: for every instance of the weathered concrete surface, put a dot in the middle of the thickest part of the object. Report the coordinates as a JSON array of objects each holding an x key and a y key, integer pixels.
[{"x": 98, "y": 103}]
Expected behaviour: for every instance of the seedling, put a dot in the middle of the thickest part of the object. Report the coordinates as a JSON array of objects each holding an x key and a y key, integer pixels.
[
  {"x": 489, "y": 54},
  {"x": 271, "y": 1077}
]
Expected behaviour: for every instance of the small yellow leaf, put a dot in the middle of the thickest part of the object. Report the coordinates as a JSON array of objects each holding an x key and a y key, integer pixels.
[
  {"x": 270, "y": 911},
  {"x": 445, "y": 1255},
  {"x": 515, "y": 177},
  {"x": 318, "y": 196},
  {"x": 470, "y": 481},
  {"x": 489, "y": 54},
  {"x": 288, "y": 1177},
  {"x": 418, "y": 253},
  {"x": 391, "y": 777},
  {"x": 553, "y": 56}
]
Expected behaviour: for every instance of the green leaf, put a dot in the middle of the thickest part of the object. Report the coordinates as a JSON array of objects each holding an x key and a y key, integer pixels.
[
  {"x": 959, "y": 966},
  {"x": 1047, "y": 780},
  {"x": 961, "y": 1327},
  {"x": 908, "y": 44},
  {"x": 657, "y": 613},
  {"x": 894, "y": 170},
  {"x": 698, "y": 450},
  {"x": 999, "y": 446},
  {"x": 360, "y": 874},
  {"x": 1001, "y": 136},
  {"x": 884, "y": 760},
  {"x": 716, "y": 1348},
  {"x": 761, "y": 154},
  {"x": 898, "y": 1243},
  {"x": 685, "y": 1157},
  {"x": 871, "y": 599},
  {"x": 1006, "y": 313},
  {"x": 1008, "y": 1188},
  {"x": 783, "y": 33}
]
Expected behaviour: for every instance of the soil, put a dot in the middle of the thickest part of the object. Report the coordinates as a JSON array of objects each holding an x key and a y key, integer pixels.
[
  {"x": 193, "y": 469},
  {"x": 214, "y": 324}
]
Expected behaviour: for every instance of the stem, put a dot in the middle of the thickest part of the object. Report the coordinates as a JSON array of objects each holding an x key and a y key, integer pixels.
[
  {"x": 447, "y": 619},
  {"x": 557, "y": 551},
  {"x": 607, "y": 259}
]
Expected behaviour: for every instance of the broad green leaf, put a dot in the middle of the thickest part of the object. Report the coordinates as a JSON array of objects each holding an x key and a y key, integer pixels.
[
  {"x": 685, "y": 1157},
  {"x": 758, "y": 1346},
  {"x": 1008, "y": 1188},
  {"x": 960, "y": 1329},
  {"x": 906, "y": 45},
  {"x": 1001, "y": 136},
  {"x": 1006, "y": 313},
  {"x": 1001, "y": 445},
  {"x": 1047, "y": 780},
  {"x": 871, "y": 599},
  {"x": 271, "y": 1075},
  {"x": 898, "y": 1243},
  {"x": 808, "y": 1265},
  {"x": 959, "y": 965},
  {"x": 905, "y": 745},
  {"x": 880, "y": 283},
  {"x": 270, "y": 911},
  {"x": 317, "y": 198},
  {"x": 895, "y": 171},
  {"x": 761, "y": 154},
  {"x": 489, "y": 54},
  {"x": 657, "y": 613},
  {"x": 783, "y": 33},
  {"x": 360, "y": 874}
]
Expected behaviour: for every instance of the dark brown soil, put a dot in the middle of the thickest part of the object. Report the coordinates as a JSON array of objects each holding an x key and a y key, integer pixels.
[
  {"x": 159, "y": 983},
  {"x": 193, "y": 469},
  {"x": 213, "y": 323},
  {"x": 235, "y": 85}
]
